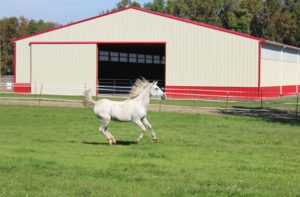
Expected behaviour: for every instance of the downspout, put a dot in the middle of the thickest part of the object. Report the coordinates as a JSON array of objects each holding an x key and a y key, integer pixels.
[
  {"x": 297, "y": 85},
  {"x": 281, "y": 65}
]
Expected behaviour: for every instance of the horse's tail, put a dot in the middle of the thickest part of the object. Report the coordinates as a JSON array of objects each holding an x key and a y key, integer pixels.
[{"x": 87, "y": 100}]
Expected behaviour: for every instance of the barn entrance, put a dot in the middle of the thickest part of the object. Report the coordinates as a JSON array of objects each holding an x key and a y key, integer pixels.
[{"x": 120, "y": 64}]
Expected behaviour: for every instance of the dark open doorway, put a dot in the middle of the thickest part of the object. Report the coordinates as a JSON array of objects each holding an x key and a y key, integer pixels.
[{"x": 120, "y": 64}]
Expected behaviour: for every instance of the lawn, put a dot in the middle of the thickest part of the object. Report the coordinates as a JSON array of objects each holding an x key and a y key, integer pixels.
[{"x": 49, "y": 151}]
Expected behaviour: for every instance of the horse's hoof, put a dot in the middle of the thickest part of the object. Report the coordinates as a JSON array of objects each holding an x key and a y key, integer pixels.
[
  {"x": 110, "y": 142},
  {"x": 154, "y": 139},
  {"x": 138, "y": 140},
  {"x": 114, "y": 141}
]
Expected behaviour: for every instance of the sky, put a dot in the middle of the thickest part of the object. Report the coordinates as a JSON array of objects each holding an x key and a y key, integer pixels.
[{"x": 59, "y": 11}]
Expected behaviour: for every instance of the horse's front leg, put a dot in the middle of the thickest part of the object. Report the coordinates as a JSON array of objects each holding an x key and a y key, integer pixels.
[
  {"x": 140, "y": 124},
  {"x": 145, "y": 121}
]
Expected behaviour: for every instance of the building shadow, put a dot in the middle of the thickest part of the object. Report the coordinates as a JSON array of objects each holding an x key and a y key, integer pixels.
[{"x": 266, "y": 114}]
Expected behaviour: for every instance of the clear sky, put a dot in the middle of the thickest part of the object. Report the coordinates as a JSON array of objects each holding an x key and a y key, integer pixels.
[{"x": 59, "y": 11}]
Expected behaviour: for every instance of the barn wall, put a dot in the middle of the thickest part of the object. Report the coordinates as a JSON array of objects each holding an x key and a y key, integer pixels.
[
  {"x": 66, "y": 69},
  {"x": 195, "y": 55},
  {"x": 271, "y": 66},
  {"x": 22, "y": 62}
]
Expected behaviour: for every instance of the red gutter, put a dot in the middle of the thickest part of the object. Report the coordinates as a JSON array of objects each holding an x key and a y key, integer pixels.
[
  {"x": 15, "y": 59},
  {"x": 81, "y": 21},
  {"x": 100, "y": 42},
  {"x": 259, "y": 63},
  {"x": 198, "y": 23}
]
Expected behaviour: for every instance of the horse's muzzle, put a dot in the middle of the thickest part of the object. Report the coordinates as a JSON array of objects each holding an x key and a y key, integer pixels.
[{"x": 163, "y": 97}]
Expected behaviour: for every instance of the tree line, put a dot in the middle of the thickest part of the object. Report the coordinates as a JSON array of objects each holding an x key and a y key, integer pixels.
[
  {"x": 12, "y": 28},
  {"x": 277, "y": 20}
]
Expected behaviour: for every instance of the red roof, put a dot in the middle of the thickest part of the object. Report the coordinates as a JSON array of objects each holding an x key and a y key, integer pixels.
[{"x": 163, "y": 15}]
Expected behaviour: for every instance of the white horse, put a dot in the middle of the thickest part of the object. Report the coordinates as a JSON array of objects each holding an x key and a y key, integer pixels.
[{"x": 133, "y": 109}]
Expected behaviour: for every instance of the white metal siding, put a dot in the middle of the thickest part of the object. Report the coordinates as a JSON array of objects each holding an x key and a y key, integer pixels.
[
  {"x": 66, "y": 69},
  {"x": 271, "y": 66},
  {"x": 195, "y": 55},
  {"x": 23, "y": 63}
]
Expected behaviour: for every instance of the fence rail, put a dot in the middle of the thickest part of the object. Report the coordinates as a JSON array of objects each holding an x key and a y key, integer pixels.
[{"x": 197, "y": 98}]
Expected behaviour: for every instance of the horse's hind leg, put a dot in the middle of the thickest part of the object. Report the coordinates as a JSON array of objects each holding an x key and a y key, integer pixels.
[
  {"x": 140, "y": 124},
  {"x": 103, "y": 130},
  {"x": 145, "y": 121},
  {"x": 111, "y": 137}
]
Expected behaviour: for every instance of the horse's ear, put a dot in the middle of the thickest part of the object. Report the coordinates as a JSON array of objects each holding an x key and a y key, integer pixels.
[{"x": 154, "y": 82}]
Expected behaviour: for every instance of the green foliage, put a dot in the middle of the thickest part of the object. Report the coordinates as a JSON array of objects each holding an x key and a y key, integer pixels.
[
  {"x": 12, "y": 28},
  {"x": 48, "y": 151}
]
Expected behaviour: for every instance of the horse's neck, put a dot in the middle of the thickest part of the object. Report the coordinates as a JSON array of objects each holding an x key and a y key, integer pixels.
[{"x": 144, "y": 98}]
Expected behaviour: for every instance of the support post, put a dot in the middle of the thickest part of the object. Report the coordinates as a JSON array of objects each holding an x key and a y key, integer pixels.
[
  {"x": 227, "y": 101},
  {"x": 297, "y": 105},
  {"x": 261, "y": 99},
  {"x": 160, "y": 106},
  {"x": 40, "y": 94},
  {"x": 194, "y": 97}
]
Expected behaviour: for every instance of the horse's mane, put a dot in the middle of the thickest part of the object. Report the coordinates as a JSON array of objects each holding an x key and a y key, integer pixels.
[{"x": 139, "y": 85}]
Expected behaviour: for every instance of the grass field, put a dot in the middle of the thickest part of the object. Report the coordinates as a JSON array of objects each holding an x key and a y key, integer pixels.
[{"x": 49, "y": 151}]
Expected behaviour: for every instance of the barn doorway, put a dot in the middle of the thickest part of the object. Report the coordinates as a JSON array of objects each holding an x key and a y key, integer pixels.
[{"x": 120, "y": 64}]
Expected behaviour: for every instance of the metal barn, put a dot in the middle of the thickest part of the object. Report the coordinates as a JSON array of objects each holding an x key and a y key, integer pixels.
[{"x": 186, "y": 57}]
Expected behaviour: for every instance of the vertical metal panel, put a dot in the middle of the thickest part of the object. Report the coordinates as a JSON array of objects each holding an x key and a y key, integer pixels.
[
  {"x": 66, "y": 69},
  {"x": 22, "y": 63},
  {"x": 279, "y": 66},
  {"x": 196, "y": 56},
  {"x": 270, "y": 73},
  {"x": 289, "y": 73}
]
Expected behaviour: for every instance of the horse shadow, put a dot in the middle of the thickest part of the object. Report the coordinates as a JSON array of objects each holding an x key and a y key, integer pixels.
[{"x": 120, "y": 143}]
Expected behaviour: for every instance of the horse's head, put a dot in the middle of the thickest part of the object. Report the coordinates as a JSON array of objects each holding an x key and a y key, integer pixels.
[{"x": 156, "y": 91}]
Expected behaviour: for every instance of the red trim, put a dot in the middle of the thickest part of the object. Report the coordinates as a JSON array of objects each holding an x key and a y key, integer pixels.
[
  {"x": 198, "y": 23},
  {"x": 97, "y": 67},
  {"x": 259, "y": 63},
  {"x": 101, "y": 42},
  {"x": 165, "y": 65},
  {"x": 232, "y": 92},
  {"x": 22, "y": 88},
  {"x": 81, "y": 21},
  {"x": 15, "y": 62},
  {"x": 151, "y": 12}
]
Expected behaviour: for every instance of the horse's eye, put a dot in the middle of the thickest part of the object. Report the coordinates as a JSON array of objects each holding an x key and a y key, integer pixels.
[{"x": 156, "y": 88}]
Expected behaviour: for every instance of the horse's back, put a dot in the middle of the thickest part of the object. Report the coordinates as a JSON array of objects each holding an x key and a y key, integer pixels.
[{"x": 109, "y": 109}]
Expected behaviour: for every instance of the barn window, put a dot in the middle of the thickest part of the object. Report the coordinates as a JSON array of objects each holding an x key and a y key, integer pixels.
[
  {"x": 132, "y": 58},
  {"x": 156, "y": 59},
  {"x": 123, "y": 57},
  {"x": 141, "y": 58},
  {"x": 103, "y": 56},
  {"x": 149, "y": 59},
  {"x": 114, "y": 56},
  {"x": 162, "y": 60}
]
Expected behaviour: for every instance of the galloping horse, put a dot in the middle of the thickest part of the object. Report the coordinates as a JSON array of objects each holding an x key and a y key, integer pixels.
[{"x": 132, "y": 109}]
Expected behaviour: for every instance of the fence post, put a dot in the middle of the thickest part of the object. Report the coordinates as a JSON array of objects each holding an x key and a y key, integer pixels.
[
  {"x": 227, "y": 101},
  {"x": 297, "y": 105},
  {"x": 40, "y": 94},
  {"x": 160, "y": 106},
  {"x": 194, "y": 97},
  {"x": 35, "y": 88},
  {"x": 261, "y": 99}
]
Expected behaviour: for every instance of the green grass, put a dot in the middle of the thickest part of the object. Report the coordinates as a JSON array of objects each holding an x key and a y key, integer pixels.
[{"x": 49, "y": 151}]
